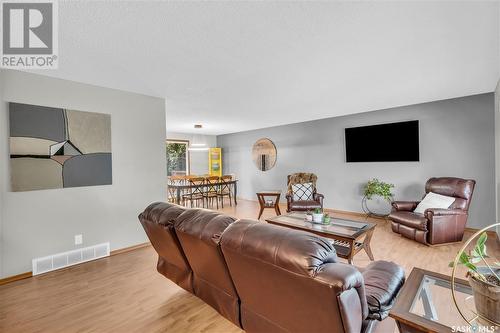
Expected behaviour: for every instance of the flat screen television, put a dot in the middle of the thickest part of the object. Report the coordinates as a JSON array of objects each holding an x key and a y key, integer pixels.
[{"x": 394, "y": 142}]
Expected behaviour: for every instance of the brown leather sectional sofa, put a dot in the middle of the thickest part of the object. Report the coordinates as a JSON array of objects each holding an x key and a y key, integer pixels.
[{"x": 267, "y": 278}]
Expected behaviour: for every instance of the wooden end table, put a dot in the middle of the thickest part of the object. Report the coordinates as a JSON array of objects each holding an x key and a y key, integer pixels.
[
  {"x": 425, "y": 303},
  {"x": 261, "y": 196}
]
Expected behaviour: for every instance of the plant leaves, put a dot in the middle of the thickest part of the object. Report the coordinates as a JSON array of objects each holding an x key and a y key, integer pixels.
[
  {"x": 464, "y": 258},
  {"x": 471, "y": 267},
  {"x": 475, "y": 260},
  {"x": 480, "y": 248}
]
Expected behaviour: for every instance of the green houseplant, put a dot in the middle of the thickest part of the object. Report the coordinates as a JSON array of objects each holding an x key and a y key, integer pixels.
[
  {"x": 377, "y": 187},
  {"x": 327, "y": 219},
  {"x": 374, "y": 188},
  {"x": 485, "y": 280}
]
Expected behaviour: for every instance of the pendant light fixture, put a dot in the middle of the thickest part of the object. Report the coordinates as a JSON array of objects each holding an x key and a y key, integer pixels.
[{"x": 198, "y": 143}]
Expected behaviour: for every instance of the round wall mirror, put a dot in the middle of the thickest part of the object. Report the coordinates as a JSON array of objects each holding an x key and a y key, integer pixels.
[{"x": 264, "y": 154}]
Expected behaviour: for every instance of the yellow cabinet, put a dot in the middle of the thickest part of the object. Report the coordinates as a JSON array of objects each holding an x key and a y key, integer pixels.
[{"x": 215, "y": 162}]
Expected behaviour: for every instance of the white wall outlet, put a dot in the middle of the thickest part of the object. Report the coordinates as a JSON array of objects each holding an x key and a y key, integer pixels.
[{"x": 78, "y": 239}]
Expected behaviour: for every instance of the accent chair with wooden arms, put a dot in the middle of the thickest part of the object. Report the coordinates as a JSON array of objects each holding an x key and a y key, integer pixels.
[
  {"x": 299, "y": 196},
  {"x": 435, "y": 226}
]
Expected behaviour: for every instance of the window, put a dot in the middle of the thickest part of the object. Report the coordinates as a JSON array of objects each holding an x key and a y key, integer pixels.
[{"x": 177, "y": 157}]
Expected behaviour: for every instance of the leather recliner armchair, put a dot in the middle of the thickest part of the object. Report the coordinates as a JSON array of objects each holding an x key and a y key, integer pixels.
[
  {"x": 303, "y": 205},
  {"x": 435, "y": 226},
  {"x": 267, "y": 278}
]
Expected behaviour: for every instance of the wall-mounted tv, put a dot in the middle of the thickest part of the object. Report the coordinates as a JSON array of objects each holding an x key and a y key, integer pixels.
[{"x": 394, "y": 142}]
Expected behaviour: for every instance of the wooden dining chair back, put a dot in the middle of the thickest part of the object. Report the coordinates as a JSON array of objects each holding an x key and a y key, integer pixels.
[
  {"x": 225, "y": 189},
  {"x": 212, "y": 190},
  {"x": 196, "y": 192},
  {"x": 172, "y": 191}
]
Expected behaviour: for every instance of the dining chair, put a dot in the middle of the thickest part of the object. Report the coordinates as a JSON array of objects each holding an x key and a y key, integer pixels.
[
  {"x": 195, "y": 192},
  {"x": 225, "y": 189},
  {"x": 212, "y": 190},
  {"x": 172, "y": 191}
]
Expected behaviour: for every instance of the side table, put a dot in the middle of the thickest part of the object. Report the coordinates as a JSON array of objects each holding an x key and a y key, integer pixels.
[{"x": 273, "y": 203}]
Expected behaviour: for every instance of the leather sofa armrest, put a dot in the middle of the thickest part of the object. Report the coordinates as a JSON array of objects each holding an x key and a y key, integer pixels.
[
  {"x": 430, "y": 212},
  {"x": 319, "y": 198},
  {"x": 407, "y": 206},
  {"x": 344, "y": 277},
  {"x": 289, "y": 197},
  {"x": 383, "y": 280}
]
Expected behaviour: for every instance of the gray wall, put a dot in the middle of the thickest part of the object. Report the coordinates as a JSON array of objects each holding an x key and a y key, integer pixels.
[
  {"x": 497, "y": 154},
  {"x": 3, "y": 170},
  {"x": 198, "y": 160},
  {"x": 39, "y": 223},
  {"x": 456, "y": 139}
]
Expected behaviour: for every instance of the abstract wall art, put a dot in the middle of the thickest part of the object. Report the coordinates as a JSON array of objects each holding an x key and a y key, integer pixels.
[{"x": 58, "y": 148}]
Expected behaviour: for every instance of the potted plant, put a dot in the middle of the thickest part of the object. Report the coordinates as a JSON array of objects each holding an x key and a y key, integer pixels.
[
  {"x": 318, "y": 215},
  {"x": 376, "y": 188},
  {"x": 309, "y": 216},
  {"x": 326, "y": 219},
  {"x": 485, "y": 281}
]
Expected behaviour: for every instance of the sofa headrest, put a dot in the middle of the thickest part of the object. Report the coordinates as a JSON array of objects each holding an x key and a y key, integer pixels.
[
  {"x": 205, "y": 224},
  {"x": 452, "y": 187},
  {"x": 296, "y": 251},
  {"x": 162, "y": 213}
]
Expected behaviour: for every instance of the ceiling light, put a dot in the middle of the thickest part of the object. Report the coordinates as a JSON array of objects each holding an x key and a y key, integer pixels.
[
  {"x": 198, "y": 148},
  {"x": 198, "y": 126}
]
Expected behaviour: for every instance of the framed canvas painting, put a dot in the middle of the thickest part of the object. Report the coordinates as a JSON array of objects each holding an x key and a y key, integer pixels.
[{"x": 58, "y": 148}]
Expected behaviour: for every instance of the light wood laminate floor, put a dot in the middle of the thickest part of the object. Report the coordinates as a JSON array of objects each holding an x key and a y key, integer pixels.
[{"x": 124, "y": 293}]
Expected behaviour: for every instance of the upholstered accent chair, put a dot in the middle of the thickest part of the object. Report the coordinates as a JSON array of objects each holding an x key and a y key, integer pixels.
[
  {"x": 301, "y": 197},
  {"x": 435, "y": 226}
]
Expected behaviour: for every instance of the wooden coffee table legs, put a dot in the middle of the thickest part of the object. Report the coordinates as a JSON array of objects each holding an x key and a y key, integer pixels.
[
  {"x": 348, "y": 248},
  {"x": 261, "y": 196},
  {"x": 366, "y": 244}
]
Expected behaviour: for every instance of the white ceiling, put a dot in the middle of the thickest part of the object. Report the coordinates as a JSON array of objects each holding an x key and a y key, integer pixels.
[{"x": 236, "y": 66}]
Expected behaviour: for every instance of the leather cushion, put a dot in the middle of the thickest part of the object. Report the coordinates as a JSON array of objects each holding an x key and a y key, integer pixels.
[
  {"x": 409, "y": 219},
  {"x": 450, "y": 186},
  {"x": 162, "y": 212},
  {"x": 383, "y": 280},
  {"x": 294, "y": 250},
  {"x": 459, "y": 188},
  {"x": 305, "y": 204},
  {"x": 199, "y": 231}
]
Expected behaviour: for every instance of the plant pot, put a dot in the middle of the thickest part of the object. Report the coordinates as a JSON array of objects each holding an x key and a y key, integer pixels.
[
  {"x": 327, "y": 220},
  {"x": 309, "y": 217},
  {"x": 317, "y": 218},
  {"x": 486, "y": 298}
]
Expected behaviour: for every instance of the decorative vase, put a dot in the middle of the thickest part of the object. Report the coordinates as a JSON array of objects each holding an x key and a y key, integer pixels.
[
  {"x": 309, "y": 217},
  {"x": 486, "y": 298},
  {"x": 327, "y": 220},
  {"x": 318, "y": 218},
  {"x": 376, "y": 206}
]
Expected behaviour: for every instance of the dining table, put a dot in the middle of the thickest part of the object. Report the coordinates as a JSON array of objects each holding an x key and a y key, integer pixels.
[{"x": 179, "y": 188}]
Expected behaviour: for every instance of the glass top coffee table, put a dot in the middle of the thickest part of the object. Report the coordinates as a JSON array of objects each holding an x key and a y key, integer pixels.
[
  {"x": 425, "y": 303},
  {"x": 348, "y": 237}
]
